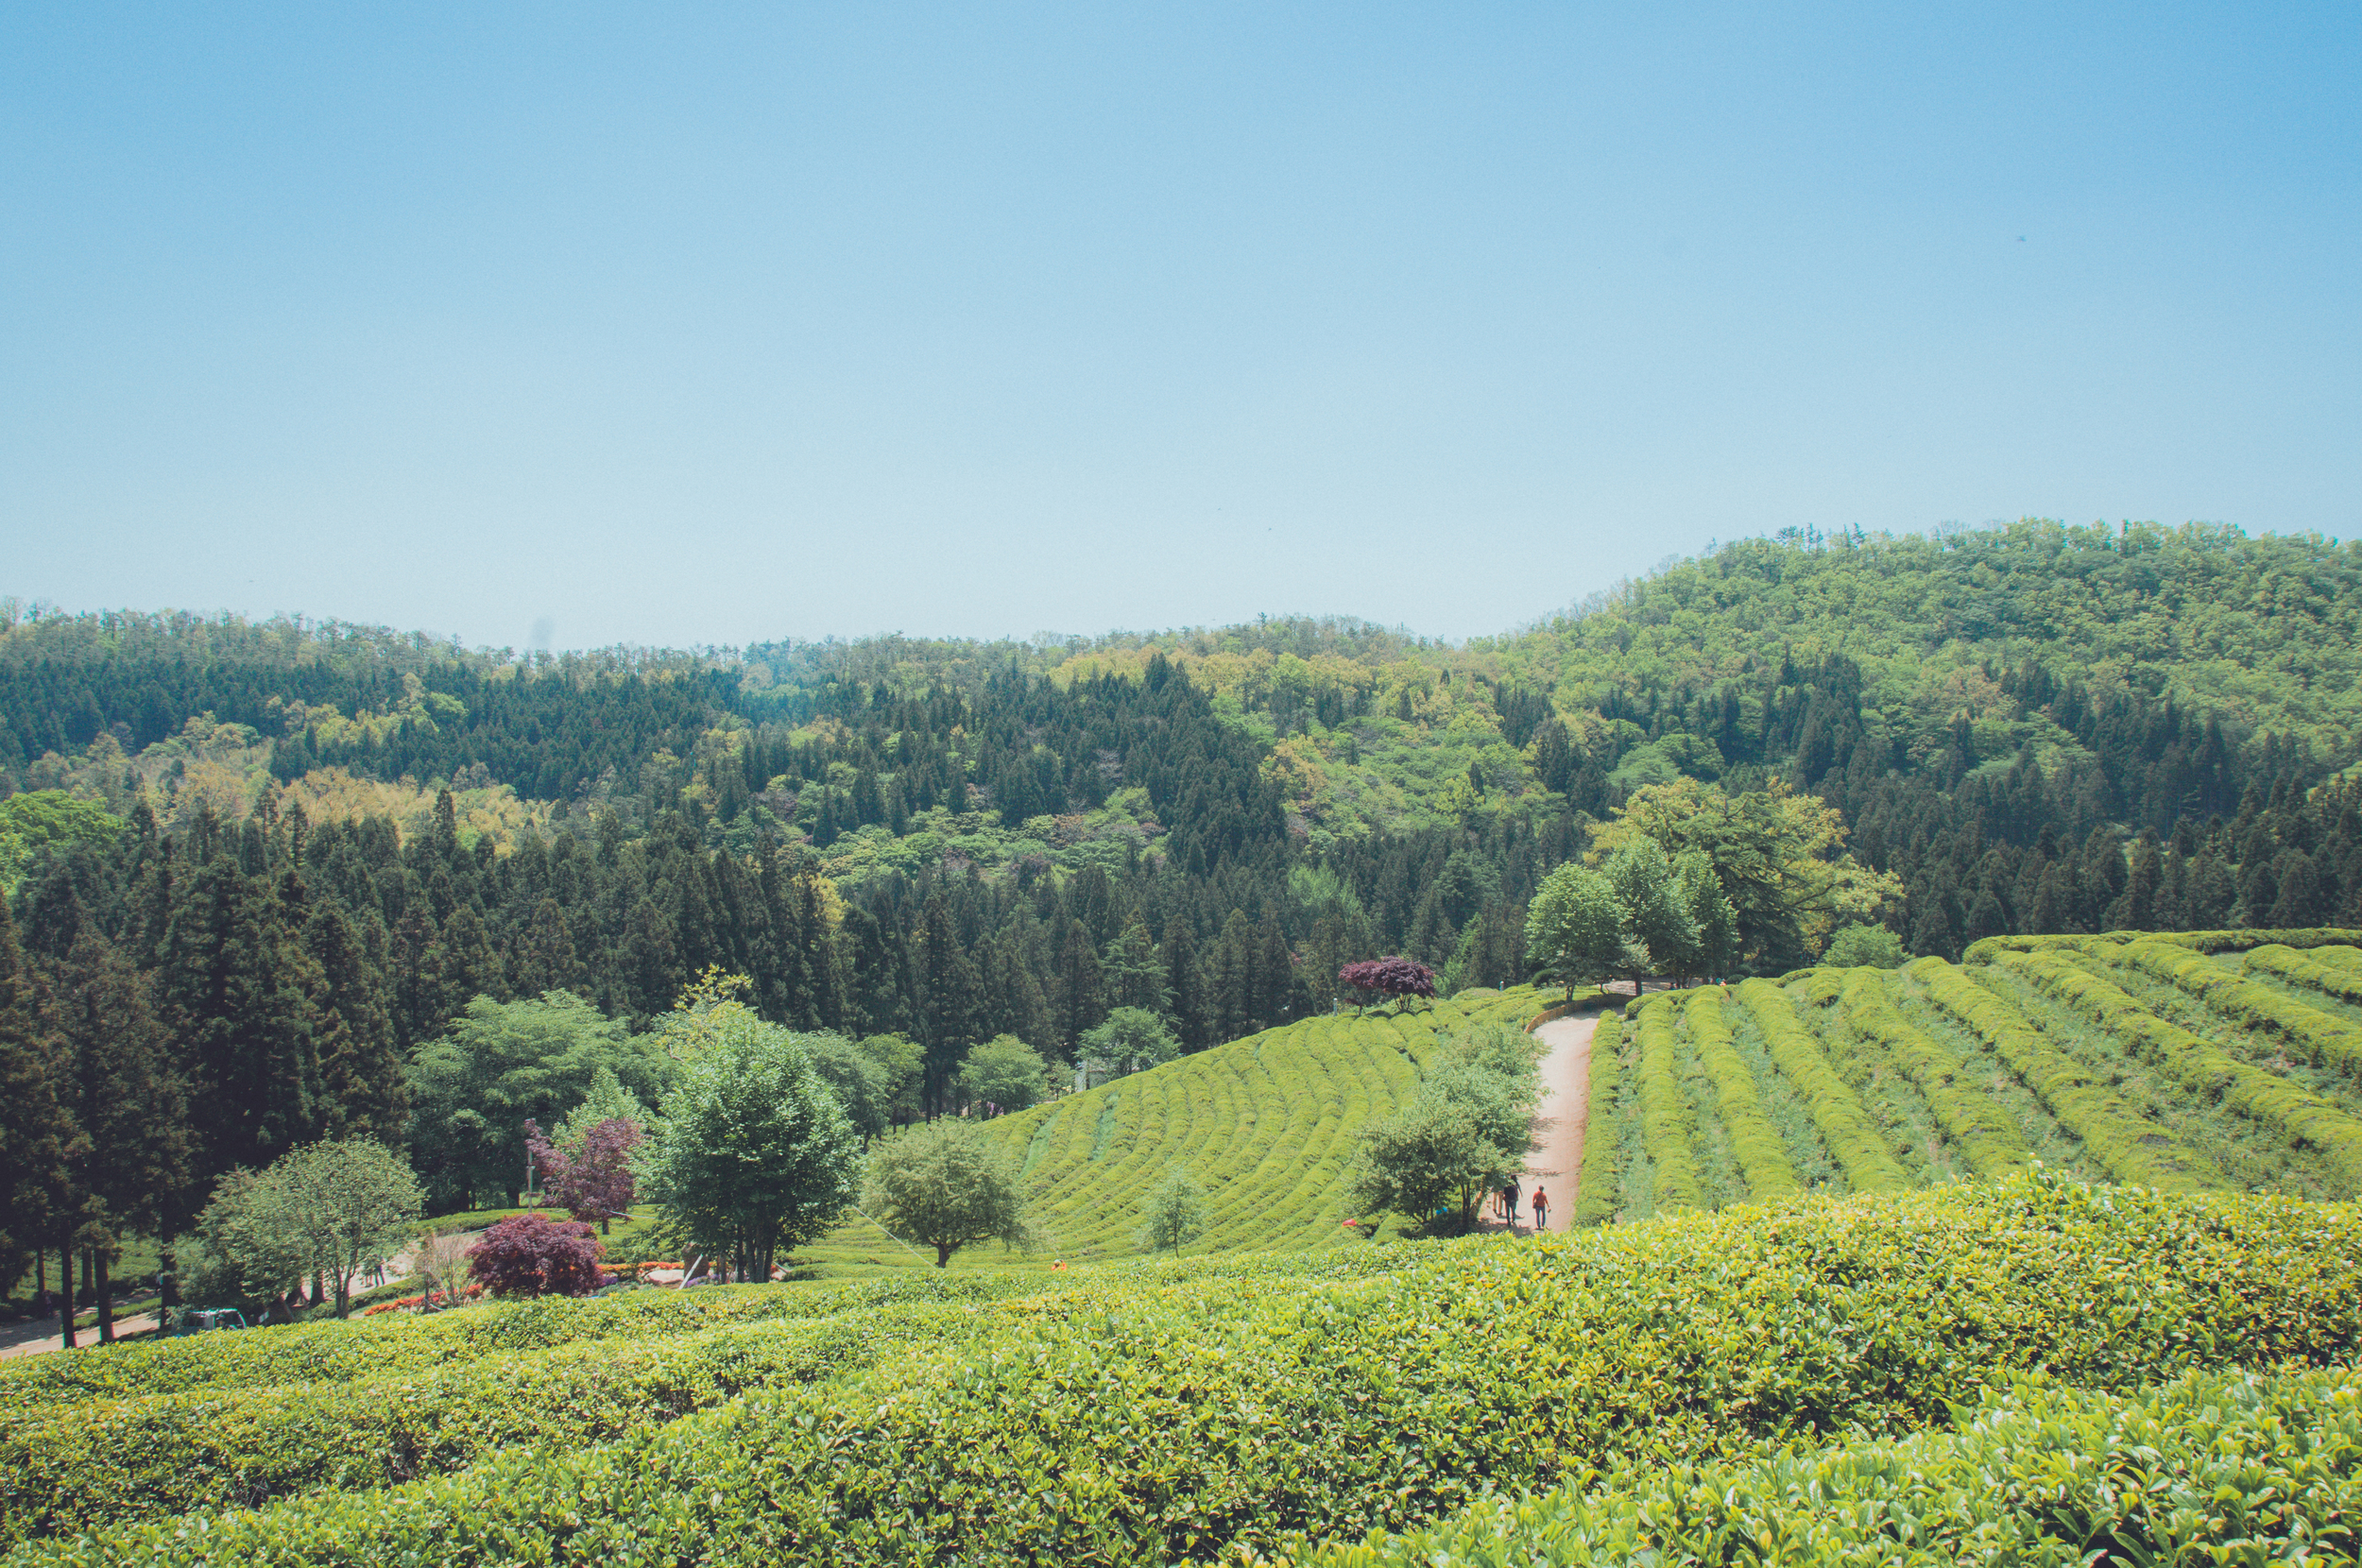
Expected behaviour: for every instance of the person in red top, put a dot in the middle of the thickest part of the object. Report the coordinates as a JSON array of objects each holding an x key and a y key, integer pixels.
[{"x": 1541, "y": 1211}]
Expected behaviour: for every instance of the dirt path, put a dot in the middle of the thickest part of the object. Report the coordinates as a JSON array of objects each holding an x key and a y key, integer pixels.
[
  {"x": 1566, "y": 1105},
  {"x": 35, "y": 1343}
]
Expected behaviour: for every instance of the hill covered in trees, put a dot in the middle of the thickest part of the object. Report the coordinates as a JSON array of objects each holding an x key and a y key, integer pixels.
[{"x": 308, "y": 845}]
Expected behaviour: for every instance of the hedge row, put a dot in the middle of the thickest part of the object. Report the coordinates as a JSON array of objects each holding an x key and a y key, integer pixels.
[
  {"x": 2338, "y": 977},
  {"x": 1598, "y": 1190},
  {"x": 2239, "y": 940},
  {"x": 1974, "y": 1121},
  {"x": 2319, "y": 1037},
  {"x": 1762, "y": 1152},
  {"x": 1837, "y": 1111},
  {"x": 148, "y": 1458},
  {"x": 2126, "y": 1144},
  {"x": 2206, "y": 1468},
  {"x": 2190, "y": 1062},
  {"x": 402, "y": 1345},
  {"x": 1666, "y": 1121},
  {"x": 1128, "y": 1423}
]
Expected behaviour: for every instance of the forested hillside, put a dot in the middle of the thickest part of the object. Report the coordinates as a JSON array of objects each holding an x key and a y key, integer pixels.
[{"x": 2033, "y": 729}]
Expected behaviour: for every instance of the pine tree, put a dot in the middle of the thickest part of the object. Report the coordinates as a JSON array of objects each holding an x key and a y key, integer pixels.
[
  {"x": 35, "y": 1129},
  {"x": 948, "y": 1004},
  {"x": 360, "y": 1063},
  {"x": 1185, "y": 982},
  {"x": 234, "y": 987},
  {"x": 129, "y": 1172},
  {"x": 1080, "y": 993}
]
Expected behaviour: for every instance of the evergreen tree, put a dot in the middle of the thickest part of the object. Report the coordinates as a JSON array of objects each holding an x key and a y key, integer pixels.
[
  {"x": 128, "y": 1169},
  {"x": 234, "y": 984},
  {"x": 361, "y": 1061},
  {"x": 35, "y": 1128}
]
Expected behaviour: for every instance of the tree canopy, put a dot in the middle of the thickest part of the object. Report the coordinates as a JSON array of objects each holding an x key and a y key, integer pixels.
[{"x": 753, "y": 1155}]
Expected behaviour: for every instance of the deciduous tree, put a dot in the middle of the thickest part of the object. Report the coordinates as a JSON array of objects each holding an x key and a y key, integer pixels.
[{"x": 945, "y": 1183}]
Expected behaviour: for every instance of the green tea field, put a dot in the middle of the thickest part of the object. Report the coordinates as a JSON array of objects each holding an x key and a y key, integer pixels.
[
  {"x": 1717, "y": 1386},
  {"x": 2227, "y": 1061},
  {"x": 1265, "y": 1125}
]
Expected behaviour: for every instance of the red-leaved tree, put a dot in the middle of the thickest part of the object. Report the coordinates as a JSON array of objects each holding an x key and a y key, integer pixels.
[
  {"x": 1389, "y": 976},
  {"x": 535, "y": 1256},
  {"x": 589, "y": 1178}
]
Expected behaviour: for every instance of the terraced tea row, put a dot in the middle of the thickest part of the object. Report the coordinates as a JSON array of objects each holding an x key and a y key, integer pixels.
[
  {"x": 2190, "y": 1062},
  {"x": 1264, "y": 1125}
]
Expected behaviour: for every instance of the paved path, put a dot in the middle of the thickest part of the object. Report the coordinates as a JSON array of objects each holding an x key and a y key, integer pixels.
[{"x": 1557, "y": 1158}]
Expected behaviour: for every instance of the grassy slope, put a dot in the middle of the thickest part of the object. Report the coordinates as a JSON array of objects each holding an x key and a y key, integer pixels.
[
  {"x": 2193, "y": 1065},
  {"x": 1265, "y": 1125}
]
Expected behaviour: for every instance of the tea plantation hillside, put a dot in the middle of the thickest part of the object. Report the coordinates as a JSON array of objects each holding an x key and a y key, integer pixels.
[
  {"x": 2191, "y": 1062},
  {"x": 1157, "y": 1413},
  {"x": 1264, "y": 1125}
]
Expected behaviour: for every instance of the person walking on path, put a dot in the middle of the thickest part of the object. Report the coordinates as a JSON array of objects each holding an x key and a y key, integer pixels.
[
  {"x": 1507, "y": 1206},
  {"x": 1541, "y": 1211}
]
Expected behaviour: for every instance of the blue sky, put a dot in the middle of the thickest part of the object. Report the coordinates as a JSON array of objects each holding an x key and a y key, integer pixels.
[{"x": 680, "y": 325}]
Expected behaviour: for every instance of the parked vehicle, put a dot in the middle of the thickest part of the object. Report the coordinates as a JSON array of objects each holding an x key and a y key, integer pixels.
[{"x": 200, "y": 1320}]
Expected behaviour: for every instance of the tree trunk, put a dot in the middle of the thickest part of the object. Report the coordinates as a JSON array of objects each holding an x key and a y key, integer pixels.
[
  {"x": 41, "y": 1279},
  {"x": 106, "y": 1296},
  {"x": 943, "y": 1255},
  {"x": 66, "y": 1295}
]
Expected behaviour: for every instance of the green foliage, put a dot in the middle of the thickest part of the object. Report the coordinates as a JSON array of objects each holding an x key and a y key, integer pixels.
[
  {"x": 37, "y": 818},
  {"x": 1837, "y": 1111},
  {"x": 1130, "y": 1040},
  {"x": 2209, "y": 1467},
  {"x": 1428, "y": 1160},
  {"x": 2265, "y": 1098},
  {"x": 1666, "y": 1124},
  {"x": 946, "y": 1184},
  {"x": 1654, "y": 915},
  {"x": 862, "y": 1084},
  {"x": 1599, "y": 1190},
  {"x": 2126, "y": 1144},
  {"x": 1469, "y": 1125},
  {"x": 901, "y": 1060},
  {"x": 1575, "y": 931},
  {"x": 1005, "y": 1071},
  {"x": 1865, "y": 946},
  {"x": 1762, "y": 1156},
  {"x": 1174, "y": 1214},
  {"x": 2314, "y": 1036},
  {"x": 1971, "y": 1118},
  {"x": 1290, "y": 1401},
  {"x": 753, "y": 1156},
  {"x": 503, "y": 1064}
]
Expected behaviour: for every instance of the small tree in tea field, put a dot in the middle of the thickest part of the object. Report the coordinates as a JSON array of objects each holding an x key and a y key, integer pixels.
[
  {"x": 946, "y": 1184},
  {"x": 1174, "y": 1214}
]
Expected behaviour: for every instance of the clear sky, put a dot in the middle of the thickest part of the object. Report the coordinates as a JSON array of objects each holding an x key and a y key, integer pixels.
[{"x": 709, "y": 324}]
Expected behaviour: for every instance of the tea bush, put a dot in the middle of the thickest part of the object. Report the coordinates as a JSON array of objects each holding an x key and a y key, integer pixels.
[
  {"x": 2267, "y": 1099},
  {"x": 2206, "y": 1468},
  {"x": 1973, "y": 1120},
  {"x": 1666, "y": 1123},
  {"x": 1837, "y": 1111},
  {"x": 2130, "y": 1146},
  {"x": 1762, "y": 1157},
  {"x": 2317, "y": 1036},
  {"x": 1145, "y": 1417}
]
